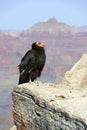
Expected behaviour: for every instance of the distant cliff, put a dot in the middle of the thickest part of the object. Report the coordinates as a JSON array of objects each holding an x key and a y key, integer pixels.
[
  {"x": 52, "y": 26},
  {"x": 46, "y": 106}
]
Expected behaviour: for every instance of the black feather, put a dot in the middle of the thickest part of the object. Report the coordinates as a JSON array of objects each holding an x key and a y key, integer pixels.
[{"x": 32, "y": 64}]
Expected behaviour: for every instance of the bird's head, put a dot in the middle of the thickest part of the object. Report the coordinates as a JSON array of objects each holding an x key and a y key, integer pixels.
[{"x": 38, "y": 45}]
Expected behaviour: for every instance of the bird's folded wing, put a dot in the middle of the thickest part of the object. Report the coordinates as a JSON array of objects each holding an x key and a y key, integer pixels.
[{"x": 26, "y": 62}]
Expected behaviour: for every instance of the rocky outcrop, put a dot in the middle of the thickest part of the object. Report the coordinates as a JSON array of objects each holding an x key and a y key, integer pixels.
[
  {"x": 76, "y": 78},
  {"x": 45, "y": 106}
]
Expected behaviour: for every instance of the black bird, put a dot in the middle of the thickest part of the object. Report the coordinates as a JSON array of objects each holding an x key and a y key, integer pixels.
[{"x": 32, "y": 63}]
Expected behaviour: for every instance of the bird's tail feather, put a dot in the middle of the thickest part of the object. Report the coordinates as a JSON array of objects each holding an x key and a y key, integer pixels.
[{"x": 24, "y": 78}]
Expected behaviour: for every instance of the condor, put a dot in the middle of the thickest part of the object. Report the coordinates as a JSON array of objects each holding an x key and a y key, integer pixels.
[{"x": 32, "y": 63}]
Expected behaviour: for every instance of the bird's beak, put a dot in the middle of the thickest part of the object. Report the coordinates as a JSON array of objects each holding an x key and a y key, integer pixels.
[{"x": 40, "y": 44}]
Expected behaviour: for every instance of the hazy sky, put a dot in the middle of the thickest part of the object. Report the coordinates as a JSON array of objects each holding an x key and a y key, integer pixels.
[{"x": 22, "y": 14}]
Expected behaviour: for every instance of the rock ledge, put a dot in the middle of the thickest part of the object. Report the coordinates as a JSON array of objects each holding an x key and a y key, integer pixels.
[{"x": 45, "y": 106}]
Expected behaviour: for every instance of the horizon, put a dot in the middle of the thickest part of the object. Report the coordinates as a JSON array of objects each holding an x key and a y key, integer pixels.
[
  {"x": 21, "y": 15},
  {"x": 40, "y": 22}
]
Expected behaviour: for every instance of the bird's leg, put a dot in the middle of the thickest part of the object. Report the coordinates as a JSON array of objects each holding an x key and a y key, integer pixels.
[{"x": 30, "y": 81}]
